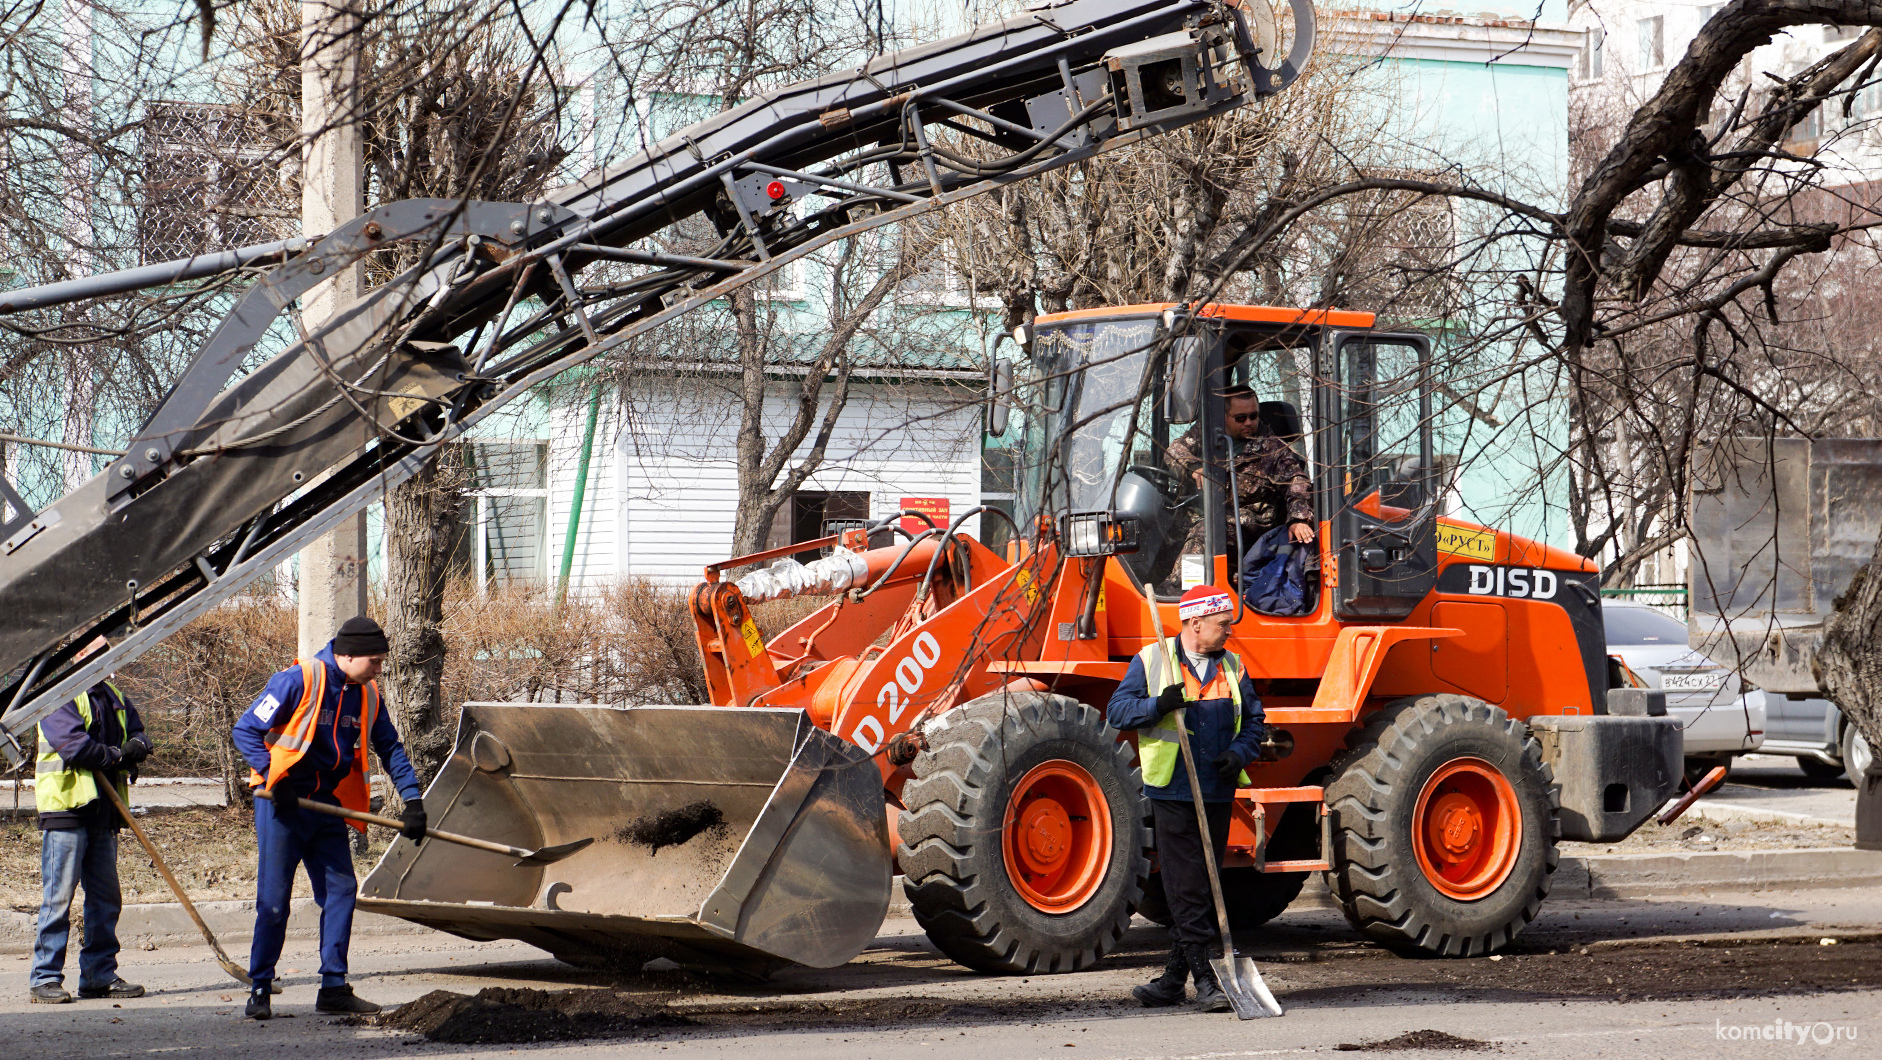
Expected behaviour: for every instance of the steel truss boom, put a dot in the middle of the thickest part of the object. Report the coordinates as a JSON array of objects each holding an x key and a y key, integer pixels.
[{"x": 227, "y": 481}]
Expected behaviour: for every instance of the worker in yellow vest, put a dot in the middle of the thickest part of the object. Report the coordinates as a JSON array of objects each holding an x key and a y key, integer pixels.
[
  {"x": 305, "y": 739},
  {"x": 1193, "y": 670},
  {"x": 96, "y": 737}
]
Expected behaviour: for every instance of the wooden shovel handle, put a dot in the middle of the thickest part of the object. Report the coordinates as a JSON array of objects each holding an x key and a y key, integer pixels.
[
  {"x": 111, "y": 792},
  {"x": 395, "y": 824}
]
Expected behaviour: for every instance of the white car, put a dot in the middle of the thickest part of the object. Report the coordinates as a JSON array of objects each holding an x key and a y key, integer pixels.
[{"x": 1722, "y": 718}]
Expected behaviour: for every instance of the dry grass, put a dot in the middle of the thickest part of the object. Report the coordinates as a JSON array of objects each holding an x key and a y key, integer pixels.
[{"x": 211, "y": 851}]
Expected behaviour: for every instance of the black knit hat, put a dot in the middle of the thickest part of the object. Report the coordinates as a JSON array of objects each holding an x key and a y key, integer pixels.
[{"x": 360, "y": 635}]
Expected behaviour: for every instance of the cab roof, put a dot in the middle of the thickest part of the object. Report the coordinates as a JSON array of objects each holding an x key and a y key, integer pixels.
[{"x": 1252, "y": 314}]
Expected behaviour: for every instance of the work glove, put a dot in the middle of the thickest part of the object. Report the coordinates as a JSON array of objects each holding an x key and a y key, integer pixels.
[
  {"x": 1228, "y": 766},
  {"x": 1169, "y": 699},
  {"x": 413, "y": 820},
  {"x": 138, "y": 749}
]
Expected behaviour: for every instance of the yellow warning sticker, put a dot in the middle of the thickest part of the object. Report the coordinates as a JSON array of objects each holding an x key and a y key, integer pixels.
[
  {"x": 1024, "y": 579},
  {"x": 1464, "y": 541},
  {"x": 753, "y": 642}
]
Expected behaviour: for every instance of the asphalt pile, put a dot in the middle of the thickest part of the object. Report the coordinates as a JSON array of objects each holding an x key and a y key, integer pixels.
[{"x": 515, "y": 1015}]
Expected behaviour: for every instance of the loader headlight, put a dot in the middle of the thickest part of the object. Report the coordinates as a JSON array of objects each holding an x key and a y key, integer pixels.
[{"x": 1099, "y": 533}]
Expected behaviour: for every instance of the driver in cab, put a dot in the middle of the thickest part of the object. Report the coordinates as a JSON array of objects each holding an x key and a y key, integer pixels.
[{"x": 1269, "y": 476}]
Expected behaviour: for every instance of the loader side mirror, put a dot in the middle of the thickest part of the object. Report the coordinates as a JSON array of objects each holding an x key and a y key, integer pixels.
[
  {"x": 999, "y": 396},
  {"x": 1184, "y": 398}
]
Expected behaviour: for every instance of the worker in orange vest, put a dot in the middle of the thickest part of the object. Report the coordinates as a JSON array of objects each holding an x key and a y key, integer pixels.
[{"x": 302, "y": 738}]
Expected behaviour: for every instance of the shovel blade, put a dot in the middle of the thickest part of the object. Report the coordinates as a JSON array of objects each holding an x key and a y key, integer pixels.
[
  {"x": 1248, "y": 992},
  {"x": 551, "y": 855}
]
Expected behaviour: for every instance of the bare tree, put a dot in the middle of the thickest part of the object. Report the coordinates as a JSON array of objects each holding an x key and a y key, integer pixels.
[{"x": 454, "y": 105}]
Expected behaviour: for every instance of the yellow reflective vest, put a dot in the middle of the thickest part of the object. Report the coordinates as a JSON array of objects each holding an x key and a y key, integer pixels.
[
  {"x": 1157, "y": 754},
  {"x": 58, "y": 787}
]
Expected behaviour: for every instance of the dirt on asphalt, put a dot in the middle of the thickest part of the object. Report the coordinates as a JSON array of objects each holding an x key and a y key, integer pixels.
[
  {"x": 1425, "y": 1039},
  {"x": 661, "y": 1005}
]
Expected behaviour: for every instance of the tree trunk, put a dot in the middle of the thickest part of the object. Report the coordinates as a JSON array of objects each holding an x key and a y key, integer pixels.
[
  {"x": 1849, "y": 664},
  {"x": 422, "y": 524}
]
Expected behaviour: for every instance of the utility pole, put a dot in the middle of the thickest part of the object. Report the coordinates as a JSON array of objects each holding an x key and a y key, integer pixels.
[{"x": 333, "y": 568}]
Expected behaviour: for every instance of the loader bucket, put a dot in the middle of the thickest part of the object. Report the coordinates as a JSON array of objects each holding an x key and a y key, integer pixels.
[{"x": 729, "y": 838}]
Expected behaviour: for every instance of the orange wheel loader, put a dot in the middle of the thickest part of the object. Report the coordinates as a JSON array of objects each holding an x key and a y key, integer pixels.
[{"x": 1443, "y": 706}]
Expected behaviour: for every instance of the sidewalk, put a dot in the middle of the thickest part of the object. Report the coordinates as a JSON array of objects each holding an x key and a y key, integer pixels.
[
  {"x": 1772, "y": 788},
  {"x": 147, "y": 794}
]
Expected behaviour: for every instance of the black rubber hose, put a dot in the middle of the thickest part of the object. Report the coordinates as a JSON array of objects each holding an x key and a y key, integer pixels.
[{"x": 940, "y": 549}]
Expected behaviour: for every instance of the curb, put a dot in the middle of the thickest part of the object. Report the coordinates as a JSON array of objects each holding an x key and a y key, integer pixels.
[
  {"x": 1701, "y": 872},
  {"x": 1601, "y": 877}
]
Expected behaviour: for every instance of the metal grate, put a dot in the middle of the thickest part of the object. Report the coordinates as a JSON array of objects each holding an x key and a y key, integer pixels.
[{"x": 213, "y": 178}]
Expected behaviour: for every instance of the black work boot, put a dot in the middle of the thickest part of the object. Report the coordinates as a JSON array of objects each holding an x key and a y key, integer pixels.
[
  {"x": 340, "y": 1001},
  {"x": 117, "y": 988},
  {"x": 259, "y": 1006},
  {"x": 50, "y": 994},
  {"x": 1166, "y": 989},
  {"x": 1209, "y": 995}
]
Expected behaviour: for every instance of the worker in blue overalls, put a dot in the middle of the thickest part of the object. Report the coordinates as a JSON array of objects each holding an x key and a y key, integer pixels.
[{"x": 301, "y": 739}]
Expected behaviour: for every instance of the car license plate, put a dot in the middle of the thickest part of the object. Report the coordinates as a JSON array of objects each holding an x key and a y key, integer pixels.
[{"x": 1702, "y": 682}]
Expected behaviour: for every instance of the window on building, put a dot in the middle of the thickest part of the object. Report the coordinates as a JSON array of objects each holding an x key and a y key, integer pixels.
[
  {"x": 1706, "y": 12},
  {"x": 1591, "y": 54},
  {"x": 210, "y": 181},
  {"x": 1810, "y": 128},
  {"x": 506, "y": 516},
  {"x": 1652, "y": 42},
  {"x": 811, "y": 514}
]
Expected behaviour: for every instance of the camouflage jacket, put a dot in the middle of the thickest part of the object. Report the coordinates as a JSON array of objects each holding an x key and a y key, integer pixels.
[{"x": 1270, "y": 476}]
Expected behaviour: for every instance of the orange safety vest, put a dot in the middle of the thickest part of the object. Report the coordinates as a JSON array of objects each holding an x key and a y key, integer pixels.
[{"x": 288, "y": 741}]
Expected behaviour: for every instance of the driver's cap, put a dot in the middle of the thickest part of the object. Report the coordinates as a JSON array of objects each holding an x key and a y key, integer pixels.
[{"x": 1204, "y": 600}]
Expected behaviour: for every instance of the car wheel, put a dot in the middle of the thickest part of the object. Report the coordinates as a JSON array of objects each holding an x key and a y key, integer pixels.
[
  {"x": 1817, "y": 769},
  {"x": 1697, "y": 768},
  {"x": 1858, "y": 756}
]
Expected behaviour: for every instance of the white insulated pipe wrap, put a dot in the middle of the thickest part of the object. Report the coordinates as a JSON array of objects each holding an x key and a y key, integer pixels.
[{"x": 840, "y": 571}]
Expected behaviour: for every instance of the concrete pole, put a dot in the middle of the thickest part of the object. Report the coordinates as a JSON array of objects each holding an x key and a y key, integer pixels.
[{"x": 333, "y": 569}]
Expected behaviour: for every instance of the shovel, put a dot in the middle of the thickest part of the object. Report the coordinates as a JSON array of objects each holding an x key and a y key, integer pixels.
[
  {"x": 229, "y": 966},
  {"x": 543, "y": 856},
  {"x": 1248, "y": 993}
]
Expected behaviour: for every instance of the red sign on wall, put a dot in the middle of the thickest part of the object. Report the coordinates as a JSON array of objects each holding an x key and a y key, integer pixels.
[{"x": 935, "y": 508}]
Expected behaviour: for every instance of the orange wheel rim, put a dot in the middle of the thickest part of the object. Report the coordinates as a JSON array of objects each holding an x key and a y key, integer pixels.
[
  {"x": 1467, "y": 829},
  {"x": 1056, "y": 839}
]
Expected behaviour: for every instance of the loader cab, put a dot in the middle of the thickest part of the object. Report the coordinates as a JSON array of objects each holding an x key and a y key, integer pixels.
[{"x": 1107, "y": 396}]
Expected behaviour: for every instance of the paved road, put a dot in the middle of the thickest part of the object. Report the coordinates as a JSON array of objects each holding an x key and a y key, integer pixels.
[
  {"x": 1771, "y": 786},
  {"x": 1589, "y": 979}
]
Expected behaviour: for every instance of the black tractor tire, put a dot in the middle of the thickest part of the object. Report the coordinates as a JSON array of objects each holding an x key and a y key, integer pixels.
[
  {"x": 1372, "y": 796},
  {"x": 1253, "y": 898},
  {"x": 953, "y": 834}
]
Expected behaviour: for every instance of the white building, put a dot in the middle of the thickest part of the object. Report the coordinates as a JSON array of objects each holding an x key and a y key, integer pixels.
[{"x": 1629, "y": 45}]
